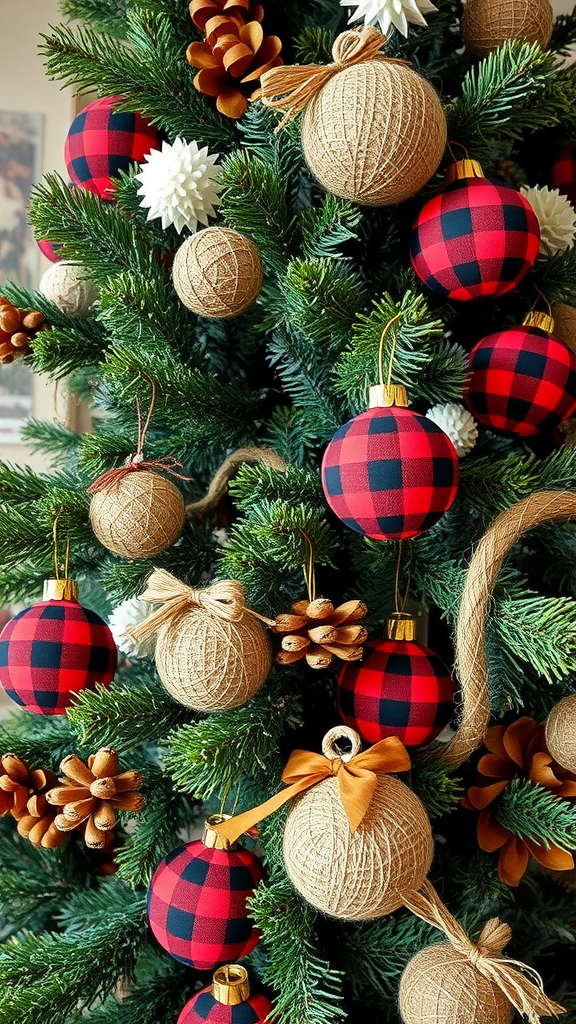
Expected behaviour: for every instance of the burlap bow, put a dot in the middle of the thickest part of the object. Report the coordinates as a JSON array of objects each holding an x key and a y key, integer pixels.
[
  {"x": 357, "y": 781},
  {"x": 291, "y": 88}
]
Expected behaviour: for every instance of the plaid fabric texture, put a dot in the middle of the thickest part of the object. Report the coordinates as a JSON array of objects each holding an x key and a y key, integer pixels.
[
  {"x": 522, "y": 382},
  {"x": 50, "y": 250},
  {"x": 564, "y": 173},
  {"x": 390, "y": 473},
  {"x": 101, "y": 142},
  {"x": 475, "y": 239},
  {"x": 51, "y": 651},
  {"x": 203, "y": 1007},
  {"x": 401, "y": 689},
  {"x": 197, "y": 904}
]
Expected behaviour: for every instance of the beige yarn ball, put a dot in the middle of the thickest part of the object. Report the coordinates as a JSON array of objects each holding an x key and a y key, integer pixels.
[
  {"x": 441, "y": 986},
  {"x": 565, "y": 324},
  {"x": 561, "y": 733},
  {"x": 217, "y": 273},
  {"x": 211, "y": 664},
  {"x": 375, "y": 133},
  {"x": 487, "y": 24},
  {"x": 358, "y": 875},
  {"x": 139, "y": 515},
  {"x": 67, "y": 286}
]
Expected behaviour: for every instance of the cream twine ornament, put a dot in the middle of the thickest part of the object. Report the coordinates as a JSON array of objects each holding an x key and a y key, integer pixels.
[
  {"x": 373, "y": 131},
  {"x": 487, "y": 24},
  {"x": 138, "y": 516},
  {"x": 217, "y": 273},
  {"x": 212, "y": 653},
  {"x": 68, "y": 287},
  {"x": 565, "y": 324},
  {"x": 561, "y": 732}
]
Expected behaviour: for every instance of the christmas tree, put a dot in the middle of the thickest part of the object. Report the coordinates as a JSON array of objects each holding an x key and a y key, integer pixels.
[{"x": 319, "y": 290}]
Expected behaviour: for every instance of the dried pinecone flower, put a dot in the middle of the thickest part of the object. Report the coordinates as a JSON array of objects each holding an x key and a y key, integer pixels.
[
  {"x": 90, "y": 795},
  {"x": 319, "y": 632},
  {"x": 23, "y": 794},
  {"x": 17, "y": 329},
  {"x": 201, "y": 11}
]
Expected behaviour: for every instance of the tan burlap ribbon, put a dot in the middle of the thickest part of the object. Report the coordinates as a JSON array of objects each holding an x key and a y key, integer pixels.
[
  {"x": 496, "y": 544},
  {"x": 520, "y": 984},
  {"x": 290, "y": 88},
  {"x": 219, "y": 483},
  {"x": 224, "y": 600}
]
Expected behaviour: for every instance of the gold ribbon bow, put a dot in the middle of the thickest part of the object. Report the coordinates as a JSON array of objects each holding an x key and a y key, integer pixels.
[
  {"x": 290, "y": 88},
  {"x": 357, "y": 781}
]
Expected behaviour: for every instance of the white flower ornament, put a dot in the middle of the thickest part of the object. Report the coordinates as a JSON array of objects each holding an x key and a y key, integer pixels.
[{"x": 388, "y": 14}]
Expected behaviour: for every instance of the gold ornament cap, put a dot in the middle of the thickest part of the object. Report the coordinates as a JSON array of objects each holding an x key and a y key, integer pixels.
[
  {"x": 60, "y": 590},
  {"x": 542, "y": 320},
  {"x": 463, "y": 169},
  {"x": 230, "y": 985},
  {"x": 382, "y": 396},
  {"x": 212, "y": 839},
  {"x": 401, "y": 626}
]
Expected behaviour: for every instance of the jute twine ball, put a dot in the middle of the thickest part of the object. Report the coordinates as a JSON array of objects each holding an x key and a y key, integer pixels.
[
  {"x": 561, "y": 733},
  {"x": 358, "y": 875},
  {"x": 66, "y": 286},
  {"x": 565, "y": 324},
  {"x": 139, "y": 515},
  {"x": 217, "y": 273},
  {"x": 487, "y": 24},
  {"x": 441, "y": 986},
  {"x": 211, "y": 664},
  {"x": 375, "y": 133}
]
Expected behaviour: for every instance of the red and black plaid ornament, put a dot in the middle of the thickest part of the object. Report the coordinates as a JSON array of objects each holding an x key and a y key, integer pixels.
[
  {"x": 401, "y": 689},
  {"x": 390, "y": 473},
  {"x": 51, "y": 250},
  {"x": 523, "y": 379},
  {"x": 53, "y": 650},
  {"x": 227, "y": 1001},
  {"x": 197, "y": 901},
  {"x": 103, "y": 141},
  {"x": 563, "y": 173},
  {"x": 476, "y": 238}
]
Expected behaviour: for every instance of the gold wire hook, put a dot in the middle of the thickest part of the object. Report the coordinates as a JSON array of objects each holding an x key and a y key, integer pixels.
[
  {"x": 451, "y": 143},
  {"x": 544, "y": 299},
  {"x": 309, "y": 572},
  {"x": 143, "y": 430},
  {"x": 392, "y": 353},
  {"x": 55, "y": 542},
  {"x": 397, "y": 583}
]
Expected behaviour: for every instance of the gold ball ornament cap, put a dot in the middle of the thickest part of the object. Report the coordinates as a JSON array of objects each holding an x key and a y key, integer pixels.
[
  {"x": 230, "y": 985},
  {"x": 383, "y": 396},
  {"x": 212, "y": 839},
  {"x": 540, "y": 320},
  {"x": 463, "y": 169},
  {"x": 60, "y": 590},
  {"x": 401, "y": 626}
]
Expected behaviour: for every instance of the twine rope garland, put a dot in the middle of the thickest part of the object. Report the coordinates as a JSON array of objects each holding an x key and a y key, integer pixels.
[{"x": 219, "y": 483}]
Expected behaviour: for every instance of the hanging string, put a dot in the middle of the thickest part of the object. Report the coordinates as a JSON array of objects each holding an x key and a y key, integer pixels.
[
  {"x": 451, "y": 143},
  {"x": 142, "y": 431},
  {"x": 55, "y": 543},
  {"x": 309, "y": 572},
  {"x": 400, "y": 611},
  {"x": 544, "y": 299},
  {"x": 392, "y": 354}
]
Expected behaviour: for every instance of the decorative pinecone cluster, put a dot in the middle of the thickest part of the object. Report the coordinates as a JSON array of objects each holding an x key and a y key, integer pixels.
[
  {"x": 90, "y": 795},
  {"x": 235, "y": 52},
  {"x": 319, "y": 632},
  {"x": 17, "y": 329},
  {"x": 23, "y": 795}
]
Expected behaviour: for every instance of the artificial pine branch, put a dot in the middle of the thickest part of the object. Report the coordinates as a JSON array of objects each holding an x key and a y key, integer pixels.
[
  {"x": 532, "y": 812},
  {"x": 126, "y": 714}
]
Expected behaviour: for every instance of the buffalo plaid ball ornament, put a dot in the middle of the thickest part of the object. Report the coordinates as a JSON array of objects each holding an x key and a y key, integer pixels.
[
  {"x": 563, "y": 173},
  {"x": 390, "y": 473},
  {"x": 197, "y": 901},
  {"x": 227, "y": 1001},
  {"x": 401, "y": 689},
  {"x": 103, "y": 141},
  {"x": 55, "y": 649},
  {"x": 476, "y": 238},
  {"x": 522, "y": 380}
]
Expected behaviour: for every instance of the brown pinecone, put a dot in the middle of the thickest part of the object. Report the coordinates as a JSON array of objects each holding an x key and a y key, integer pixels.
[
  {"x": 89, "y": 795},
  {"x": 319, "y": 632},
  {"x": 23, "y": 794},
  {"x": 17, "y": 329}
]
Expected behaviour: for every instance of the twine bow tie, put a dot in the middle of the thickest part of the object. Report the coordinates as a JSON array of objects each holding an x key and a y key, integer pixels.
[{"x": 357, "y": 781}]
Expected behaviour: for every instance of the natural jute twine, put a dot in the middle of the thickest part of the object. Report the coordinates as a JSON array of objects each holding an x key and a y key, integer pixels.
[
  {"x": 374, "y": 131},
  {"x": 542, "y": 507},
  {"x": 486, "y": 24},
  {"x": 217, "y": 273},
  {"x": 68, "y": 287},
  {"x": 459, "y": 981},
  {"x": 138, "y": 515},
  {"x": 219, "y": 483},
  {"x": 565, "y": 324},
  {"x": 561, "y": 732},
  {"x": 212, "y": 653}
]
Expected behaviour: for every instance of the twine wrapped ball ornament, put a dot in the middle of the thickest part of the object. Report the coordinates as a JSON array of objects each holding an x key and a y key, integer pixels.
[
  {"x": 136, "y": 512},
  {"x": 212, "y": 653},
  {"x": 374, "y": 131},
  {"x": 487, "y": 24},
  {"x": 561, "y": 732},
  {"x": 67, "y": 286},
  {"x": 217, "y": 273}
]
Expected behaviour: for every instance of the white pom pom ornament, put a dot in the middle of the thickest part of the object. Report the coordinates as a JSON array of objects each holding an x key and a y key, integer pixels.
[
  {"x": 458, "y": 424},
  {"x": 130, "y": 613},
  {"x": 180, "y": 184},
  {"x": 556, "y": 217},
  {"x": 389, "y": 14},
  {"x": 67, "y": 286}
]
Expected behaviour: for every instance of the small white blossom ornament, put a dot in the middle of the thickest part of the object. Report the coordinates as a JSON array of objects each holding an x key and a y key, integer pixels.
[
  {"x": 556, "y": 217},
  {"x": 391, "y": 13},
  {"x": 180, "y": 184},
  {"x": 458, "y": 423},
  {"x": 130, "y": 613}
]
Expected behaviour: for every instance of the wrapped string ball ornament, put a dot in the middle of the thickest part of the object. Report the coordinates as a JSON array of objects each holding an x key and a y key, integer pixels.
[
  {"x": 218, "y": 273},
  {"x": 523, "y": 379},
  {"x": 487, "y": 24},
  {"x": 197, "y": 900},
  {"x": 561, "y": 733},
  {"x": 374, "y": 131},
  {"x": 69, "y": 288},
  {"x": 212, "y": 652},
  {"x": 227, "y": 1001},
  {"x": 476, "y": 238}
]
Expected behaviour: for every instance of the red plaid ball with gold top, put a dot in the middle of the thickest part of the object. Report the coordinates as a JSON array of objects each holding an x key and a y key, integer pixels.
[
  {"x": 53, "y": 650},
  {"x": 390, "y": 473},
  {"x": 204, "y": 1007}
]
